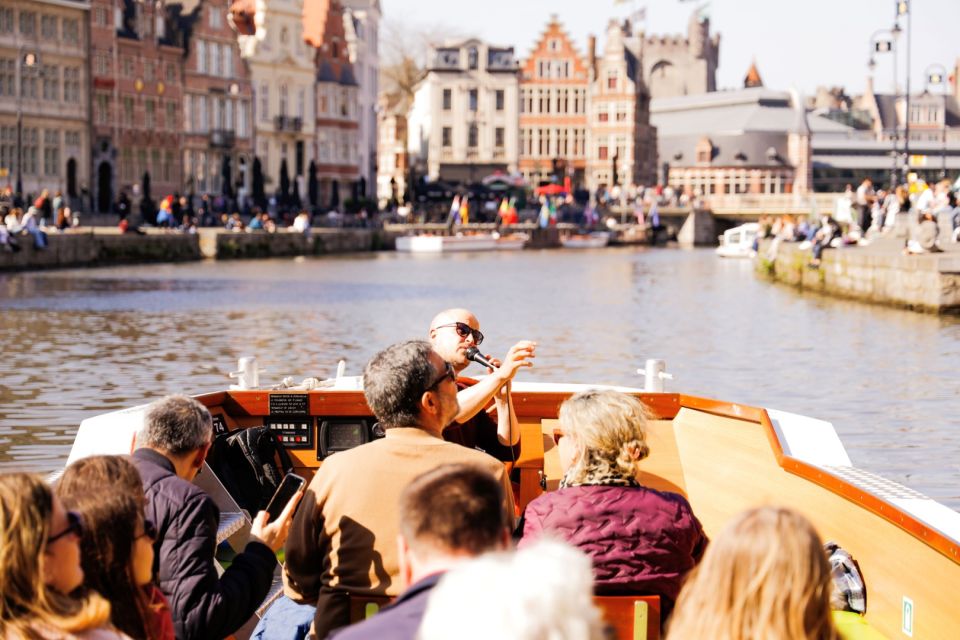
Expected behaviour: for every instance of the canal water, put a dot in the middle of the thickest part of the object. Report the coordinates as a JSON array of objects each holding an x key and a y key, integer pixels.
[{"x": 81, "y": 342}]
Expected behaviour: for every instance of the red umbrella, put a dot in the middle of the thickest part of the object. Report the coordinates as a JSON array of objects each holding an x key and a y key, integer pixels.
[{"x": 549, "y": 190}]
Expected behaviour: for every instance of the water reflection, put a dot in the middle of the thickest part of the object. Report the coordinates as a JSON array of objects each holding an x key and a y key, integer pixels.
[{"x": 77, "y": 343}]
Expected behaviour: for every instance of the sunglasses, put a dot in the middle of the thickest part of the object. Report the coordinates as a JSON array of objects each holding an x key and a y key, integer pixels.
[
  {"x": 74, "y": 526},
  {"x": 464, "y": 330},
  {"x": 448, "y": 372},
  {"x": 149, "y": 531}
]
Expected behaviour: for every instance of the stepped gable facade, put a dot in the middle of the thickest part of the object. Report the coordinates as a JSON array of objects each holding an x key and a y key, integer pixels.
[
  {"x": 622, "y": 145},
  {"x": 337, "y": 168},
  {"x": 554, "y": 88},
  {"x": 393, "y": 160}
]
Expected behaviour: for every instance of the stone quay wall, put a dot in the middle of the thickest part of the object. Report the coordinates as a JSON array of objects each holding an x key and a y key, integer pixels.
[
  {"x": 929, "y": 282},
  {"x": 104, "y": 247},
  {"x": 86, "y": 248}
]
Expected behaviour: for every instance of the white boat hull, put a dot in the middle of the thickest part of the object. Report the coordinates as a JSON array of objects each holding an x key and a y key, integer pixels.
[{"x": 593, "y": 240}]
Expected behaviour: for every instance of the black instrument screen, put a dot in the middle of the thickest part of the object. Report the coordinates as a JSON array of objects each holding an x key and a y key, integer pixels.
[{"x": 341, "y": 434}]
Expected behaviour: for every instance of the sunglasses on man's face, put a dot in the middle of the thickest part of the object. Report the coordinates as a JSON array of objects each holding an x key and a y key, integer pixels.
[
  {"x": 448, "y": 372},
  {"x": 74, "y": 526},
  {"x": 464, "y": 330}
]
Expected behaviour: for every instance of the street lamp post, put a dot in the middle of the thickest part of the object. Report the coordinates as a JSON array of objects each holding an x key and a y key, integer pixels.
[
  {"x": 29, "y": 60},
  {"x": 936, "y": 74},
  {"x": 888, "y": 46},
  {"x": 903, "y": 9}
]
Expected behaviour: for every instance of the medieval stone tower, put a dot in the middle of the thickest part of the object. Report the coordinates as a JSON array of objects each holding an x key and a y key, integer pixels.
[{"x": 677, "y": 65}]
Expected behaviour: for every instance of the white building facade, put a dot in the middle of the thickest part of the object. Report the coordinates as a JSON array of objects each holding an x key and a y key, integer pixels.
[
  {"x": 282, "y": 72},
  {"x": 464, "y": 122},
  {"x": 361, "y": 24}
]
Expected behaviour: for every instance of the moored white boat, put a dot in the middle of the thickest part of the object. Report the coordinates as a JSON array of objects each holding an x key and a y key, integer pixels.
[
  {"x": 593, "y": 240},
  {"x": 423, "y": 243},
  {"x": 738, "y": 242},
  {"x": 724, "y": 457}
]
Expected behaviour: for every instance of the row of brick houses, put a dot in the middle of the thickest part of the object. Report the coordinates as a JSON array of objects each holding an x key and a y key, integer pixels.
[
  {"x": 99, "y": 97},
  {"x": 556, "y": 115}
]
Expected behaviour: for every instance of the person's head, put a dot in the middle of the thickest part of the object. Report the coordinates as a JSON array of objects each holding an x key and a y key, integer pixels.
[
  {"x": 409, "y": 385},
  {"x": 449, "y": 514},
  {"x": 452, "y": 332},
  {"x": 40, "y": 561},
  {"x": 604, "y": 435},
  {"x": 117, "y": 542},
  {"x": 764, "y": 576},
  {"x": 181, "y": 429},
  {"x": 542, "y": 591}
]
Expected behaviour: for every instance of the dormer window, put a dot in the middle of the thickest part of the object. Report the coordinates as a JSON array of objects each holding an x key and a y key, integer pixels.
[
  {"x": 283, "y": 36},
  {"x": 704, "y": 151},
  {"x": 472, "y": 58}
]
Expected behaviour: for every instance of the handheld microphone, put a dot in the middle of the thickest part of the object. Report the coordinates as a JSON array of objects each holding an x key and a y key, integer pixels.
[{"x": 474, "y": 354}]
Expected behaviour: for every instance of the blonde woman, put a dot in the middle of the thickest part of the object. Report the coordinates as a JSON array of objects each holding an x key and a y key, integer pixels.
[
  {"x": 40, "y": 567},
  {"x": 640, "y": 540},
  {"x": 765, "y": 576}
]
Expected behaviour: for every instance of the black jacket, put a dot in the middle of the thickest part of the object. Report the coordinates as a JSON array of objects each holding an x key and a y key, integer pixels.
[{"x": 204, "y": 606}]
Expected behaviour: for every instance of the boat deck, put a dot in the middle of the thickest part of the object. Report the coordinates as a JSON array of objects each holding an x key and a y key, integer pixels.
[{"x": 723, "y": 457}]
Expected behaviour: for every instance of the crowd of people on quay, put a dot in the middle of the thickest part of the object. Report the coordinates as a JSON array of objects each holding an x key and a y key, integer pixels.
[
  {"x": 124, "y": 546},
  {"x": 34, "y": 221},
  {"x": 925, "y": 216}
]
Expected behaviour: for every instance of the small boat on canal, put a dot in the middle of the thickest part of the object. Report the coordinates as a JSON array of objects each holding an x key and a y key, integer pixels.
[
  {"x": 738, "y": 242},
  {"x": 592, "y": 240},
  {"x": 425, "y": 243},
  {"x": 724, "y": 457}
]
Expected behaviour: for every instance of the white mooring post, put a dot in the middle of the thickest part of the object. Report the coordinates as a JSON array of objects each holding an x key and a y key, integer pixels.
[
  {"x": 248, "y": 374},
  {"x": 654, "y": 374}
]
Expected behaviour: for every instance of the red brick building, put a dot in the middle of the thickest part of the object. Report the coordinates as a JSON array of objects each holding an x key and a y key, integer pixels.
[
  {"x": 554, "y": 84},
  {"x": 136, "y": 71},
  {"x": 337, "y": 108},
  {"x": 217, "y": 152}
]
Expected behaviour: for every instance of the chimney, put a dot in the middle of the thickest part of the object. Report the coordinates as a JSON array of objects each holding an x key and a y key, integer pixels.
[{"x": 591, "y": 51}]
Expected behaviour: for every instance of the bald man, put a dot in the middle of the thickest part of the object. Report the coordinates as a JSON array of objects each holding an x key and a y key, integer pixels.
[{"x": 452, "y": 333}]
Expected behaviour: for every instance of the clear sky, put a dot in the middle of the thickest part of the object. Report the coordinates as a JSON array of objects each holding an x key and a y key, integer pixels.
[{"x": 800, "y": 44}]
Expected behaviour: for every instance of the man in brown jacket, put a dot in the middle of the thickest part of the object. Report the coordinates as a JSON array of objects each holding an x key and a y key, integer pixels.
[{"x": 344, "y": 537}]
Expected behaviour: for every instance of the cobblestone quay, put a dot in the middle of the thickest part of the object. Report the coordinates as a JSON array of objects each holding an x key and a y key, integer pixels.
[{"x": 928, "y": 282}]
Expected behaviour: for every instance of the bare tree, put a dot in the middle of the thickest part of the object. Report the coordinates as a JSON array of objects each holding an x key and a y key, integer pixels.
[{"x": 404, "y": 51}]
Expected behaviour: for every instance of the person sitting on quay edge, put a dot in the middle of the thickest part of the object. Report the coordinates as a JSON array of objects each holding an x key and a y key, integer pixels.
[
  {"x": 117, "y": 543},
  {"x": 40, "y": 568},
  {"x": 171, "y": 449},
  {"x": 447, "y": 516},
  {"x": 452, "y": 333},
  {"x": 641, "y": 540},
  {"x": 344, "y": 538}
]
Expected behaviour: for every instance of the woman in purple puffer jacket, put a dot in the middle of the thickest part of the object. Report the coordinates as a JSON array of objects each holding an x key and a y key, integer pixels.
[{"x": 642, "y": 541}]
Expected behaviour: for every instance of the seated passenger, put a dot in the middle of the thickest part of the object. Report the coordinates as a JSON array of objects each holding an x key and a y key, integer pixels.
[
  {"x": 764, "y": 576},
  {"x": 344, "y": 538},
  {"x": 447, "y": 516},
  {"x": 642, "y": 541},
  {"x": 206, "y": 604},
  {"x": 542, "y": 591},
  {"x": 452, "y": 333},
  {"x": 117, "y": 543},
  {"x": 40, "y": 567}
]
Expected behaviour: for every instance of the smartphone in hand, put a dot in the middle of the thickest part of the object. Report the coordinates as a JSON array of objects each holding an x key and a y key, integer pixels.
[{"x": 288, "y": 488}]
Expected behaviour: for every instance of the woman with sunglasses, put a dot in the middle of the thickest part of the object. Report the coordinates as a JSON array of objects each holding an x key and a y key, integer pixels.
[
  {"x": 40, "y": 568},
  {"x": 117, "y": 543}
]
